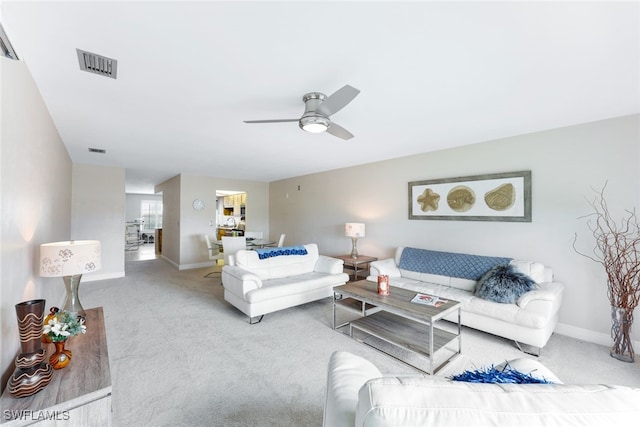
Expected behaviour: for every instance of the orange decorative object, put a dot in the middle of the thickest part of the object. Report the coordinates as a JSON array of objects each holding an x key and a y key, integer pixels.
[
  {"x": 61, "y": 358},
  {"x": 383, "y": 284}
]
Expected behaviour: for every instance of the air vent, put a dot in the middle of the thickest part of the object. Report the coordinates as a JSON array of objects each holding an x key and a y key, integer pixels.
[
  {"x": 97, "y": 64},
  {"x": 97, "y": 150}
]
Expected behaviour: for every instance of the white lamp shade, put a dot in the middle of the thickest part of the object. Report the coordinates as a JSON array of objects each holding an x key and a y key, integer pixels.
[
  {"x": 354, "y": 229},
  {"x": 69, "y": 258}
]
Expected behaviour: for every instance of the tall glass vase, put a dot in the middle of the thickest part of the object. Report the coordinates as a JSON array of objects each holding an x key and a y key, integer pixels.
[
  {"x": 31, "y": 374},
  {"x": 622, "y": 347}
]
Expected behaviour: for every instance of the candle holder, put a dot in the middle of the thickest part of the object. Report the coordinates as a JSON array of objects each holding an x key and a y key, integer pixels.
[{"x": 383, "y": 284}]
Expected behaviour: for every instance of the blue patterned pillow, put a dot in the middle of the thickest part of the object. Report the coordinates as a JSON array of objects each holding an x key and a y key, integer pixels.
[{"x": 504, "y": 284}]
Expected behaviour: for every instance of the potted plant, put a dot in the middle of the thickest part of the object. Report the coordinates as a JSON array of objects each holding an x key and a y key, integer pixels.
[
  {"x": 58, "y": 327},
  {"x": 617, "y": 249}
]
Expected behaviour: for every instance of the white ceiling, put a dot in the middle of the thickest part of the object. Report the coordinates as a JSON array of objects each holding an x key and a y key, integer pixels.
[{"x": 432, "y": 75}]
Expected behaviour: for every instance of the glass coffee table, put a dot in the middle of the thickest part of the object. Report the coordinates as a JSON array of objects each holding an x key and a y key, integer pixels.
[{"x": 410, "y": 332}]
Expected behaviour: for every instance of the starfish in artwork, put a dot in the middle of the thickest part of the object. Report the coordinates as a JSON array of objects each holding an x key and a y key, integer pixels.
[{"x": 428, "y": 200}]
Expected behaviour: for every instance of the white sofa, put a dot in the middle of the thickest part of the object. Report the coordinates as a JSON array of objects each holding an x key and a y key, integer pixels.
[
  {"x": 531, "y": 320},
  {"x": 259, "y": 286},
  {"x": 359, "y": 395}
]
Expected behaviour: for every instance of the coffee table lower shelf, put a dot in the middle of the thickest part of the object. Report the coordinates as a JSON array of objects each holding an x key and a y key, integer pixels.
[{"x": 406, "y": 334}]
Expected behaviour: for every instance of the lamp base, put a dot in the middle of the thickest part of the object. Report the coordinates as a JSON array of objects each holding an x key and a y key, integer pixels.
[
  {"x": 354, "y": 247},
  {"x": 72, "y": 302}
]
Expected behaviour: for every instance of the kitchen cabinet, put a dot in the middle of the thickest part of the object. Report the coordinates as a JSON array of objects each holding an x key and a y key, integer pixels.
[{"x": 235, "y": 201}]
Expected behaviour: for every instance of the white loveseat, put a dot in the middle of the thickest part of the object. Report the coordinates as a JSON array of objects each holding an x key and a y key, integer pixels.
[
  {"x": 259, "y": 286},
  {"x": 531, "y": 320},
  {"x": 359, "y": 395}
]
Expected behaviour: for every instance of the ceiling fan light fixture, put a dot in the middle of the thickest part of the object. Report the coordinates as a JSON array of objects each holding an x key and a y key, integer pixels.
[{"x": 314, "y": 124}]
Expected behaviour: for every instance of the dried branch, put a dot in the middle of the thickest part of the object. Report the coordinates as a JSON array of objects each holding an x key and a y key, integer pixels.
[{"x": 617, "y": 249}]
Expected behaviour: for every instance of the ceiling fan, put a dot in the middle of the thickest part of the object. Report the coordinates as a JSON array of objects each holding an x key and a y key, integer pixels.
[{"x": 318, "y": 108}]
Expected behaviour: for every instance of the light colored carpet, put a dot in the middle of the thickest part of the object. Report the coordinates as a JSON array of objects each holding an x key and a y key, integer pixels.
[{"x": 181, "y": 356}]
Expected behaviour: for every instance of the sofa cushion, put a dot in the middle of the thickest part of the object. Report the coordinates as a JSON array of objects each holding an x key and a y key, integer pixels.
[
  {"x": 504, "y": 284},
  {"x": 435, "y": 401},
  {"x": 387, "y": 266},
  {"x": 285, "y": 286},
  {"x": 279, "y": 266},
  {"x": 533, "y": 269},
  {"x": 452, "y": 264}
]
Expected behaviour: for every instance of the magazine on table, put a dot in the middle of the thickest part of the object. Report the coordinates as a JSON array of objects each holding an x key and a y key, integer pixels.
[{"x": 431, "y": 300}]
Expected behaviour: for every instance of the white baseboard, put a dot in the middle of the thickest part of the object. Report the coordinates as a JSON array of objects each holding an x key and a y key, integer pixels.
[
  {"x": 196, "y": 265},
  {"x": 587, "y": 335},
  {"x": 175, "y": 264}
]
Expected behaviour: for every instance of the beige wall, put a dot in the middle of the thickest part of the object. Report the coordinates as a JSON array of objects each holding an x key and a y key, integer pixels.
[
  {"x": 35, "y": 201},
  {"x": 183, "y": 227},
  {"x": 565, "y": 164},
  {"x": 98, "y": 207}
]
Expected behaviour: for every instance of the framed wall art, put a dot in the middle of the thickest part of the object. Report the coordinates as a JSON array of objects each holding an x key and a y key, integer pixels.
[{"x": 492, "y": 197}]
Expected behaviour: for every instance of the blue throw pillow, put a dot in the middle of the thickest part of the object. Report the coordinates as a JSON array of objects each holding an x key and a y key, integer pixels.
[
  {"x": 494, "y": 375},
  {"x": 504, "y": 284}
]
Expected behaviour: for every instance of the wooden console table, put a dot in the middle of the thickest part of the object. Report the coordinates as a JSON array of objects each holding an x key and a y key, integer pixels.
[
  {"x": 78, "y": 395},
  {"x": 358, "y": 265}
]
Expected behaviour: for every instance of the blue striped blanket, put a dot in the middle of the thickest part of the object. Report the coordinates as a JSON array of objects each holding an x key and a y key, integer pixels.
[{"x": 287, "y": 250}]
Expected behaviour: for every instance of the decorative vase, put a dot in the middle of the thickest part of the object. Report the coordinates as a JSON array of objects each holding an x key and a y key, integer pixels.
[
  {"x": 61, "y": 357},
  {"x": 31, "y": 374},
  {"x": 622, "y": 347}
]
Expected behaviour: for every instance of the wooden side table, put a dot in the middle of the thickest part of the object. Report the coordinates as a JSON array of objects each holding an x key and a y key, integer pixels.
[
  {"x": 357, "y": 265},
  {"x": 78, "y": 395}
]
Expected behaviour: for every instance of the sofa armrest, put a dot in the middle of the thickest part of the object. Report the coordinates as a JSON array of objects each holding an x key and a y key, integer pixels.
[
  {"x": 329, "y": 265},
  {"x": 347, "y": 373},
  {"x": 384, "y": 266},
  {"x": 545, "y": 300},
  {"x": 239, "y": 281}
]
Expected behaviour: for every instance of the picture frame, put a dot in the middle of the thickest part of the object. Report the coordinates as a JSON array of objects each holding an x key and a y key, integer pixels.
[{"x": 490, "y": 197}]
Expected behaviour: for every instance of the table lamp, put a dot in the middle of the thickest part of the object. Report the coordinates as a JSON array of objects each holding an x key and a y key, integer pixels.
[
  {"x": 70, "y": 260},
  {"x": 354, "y": 230}
]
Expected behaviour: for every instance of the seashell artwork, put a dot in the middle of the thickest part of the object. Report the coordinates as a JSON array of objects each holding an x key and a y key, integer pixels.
[
  {"x": 461, "y": 198},
  {"x": 428, "y": 200},
  {"x": 501, "y": 198}
]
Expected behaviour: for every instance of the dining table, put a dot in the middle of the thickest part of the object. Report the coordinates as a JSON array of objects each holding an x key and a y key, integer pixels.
[
  {"x": 259, "y": 243},
  {"x": 252, "y": 244}
]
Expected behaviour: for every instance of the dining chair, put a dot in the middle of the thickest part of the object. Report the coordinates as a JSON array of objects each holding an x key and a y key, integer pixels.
[
  {"x": 231, "y": 245},
  {"x": 281, "y": 241},
  {"x": 214, "y": 252}
]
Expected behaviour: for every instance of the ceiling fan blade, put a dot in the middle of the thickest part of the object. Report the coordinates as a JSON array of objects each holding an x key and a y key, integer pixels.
[
  {"x": 338, "y": 100},
  {"x": 339, "y": 131},
  {"x": 271, "y": 121}
]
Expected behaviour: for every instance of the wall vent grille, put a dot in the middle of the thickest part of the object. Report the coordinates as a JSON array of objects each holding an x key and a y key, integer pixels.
[
  {"x": 97, "y": 150},
  {"x": 97, "y": 64}
]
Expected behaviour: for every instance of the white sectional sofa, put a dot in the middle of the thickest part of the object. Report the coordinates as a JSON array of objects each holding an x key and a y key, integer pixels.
[
  {"x": 531, "y": 320},
  {"x": 359, "y": 395},
  {"x": 284, "y": 278}
]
